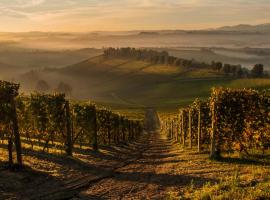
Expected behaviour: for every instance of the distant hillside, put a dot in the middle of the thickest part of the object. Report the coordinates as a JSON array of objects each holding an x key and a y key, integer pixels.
[
  {"x": 261, "y": 28},
  {"x": 119, "y": 80},
  {"x": 9, "y": 72},
  {"x": 6, "y": 67},
  {"x": 135, "y": 83},
  {"x": 149, "y": 33},
  {"x": 36, "y": 58}
]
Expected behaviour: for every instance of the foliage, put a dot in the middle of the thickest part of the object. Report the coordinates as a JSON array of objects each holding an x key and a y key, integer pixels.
[
  {"x": 241, "y": 117},
  {"x": 8, "y": 118},
  {"x": 231, "y": 120},
  {"x": 257, "y": 70},
  {"x": 50, "y": 120},
  {"x": 156, "y": 57}
]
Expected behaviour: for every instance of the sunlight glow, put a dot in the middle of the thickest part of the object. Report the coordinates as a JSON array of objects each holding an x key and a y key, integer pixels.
[{"x": 89, "y": 15}]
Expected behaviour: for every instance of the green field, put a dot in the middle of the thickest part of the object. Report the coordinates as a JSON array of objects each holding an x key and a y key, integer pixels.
[
  {"x": 167, "y": 97},
  {"x": 123, "y": 84}
]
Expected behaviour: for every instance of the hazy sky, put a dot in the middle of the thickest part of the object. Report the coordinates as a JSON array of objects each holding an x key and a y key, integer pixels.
[{"x": 91, "y": 15}]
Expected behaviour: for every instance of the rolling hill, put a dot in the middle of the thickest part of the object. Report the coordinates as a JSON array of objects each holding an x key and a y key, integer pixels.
[
  {"x": 133, "y": 84},
  {"x": 7, "y": 71},
  {"x": 260, "y": 28},
  {"x": 28, "y": 58}
]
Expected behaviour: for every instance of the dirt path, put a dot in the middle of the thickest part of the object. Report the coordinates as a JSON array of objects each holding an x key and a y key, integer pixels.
[
  {"x": 150, "y": 168},
  {"x": 149, "y": 177},
  {"x": 142, "y": 179},
  {"x": 162, "y": 169}
]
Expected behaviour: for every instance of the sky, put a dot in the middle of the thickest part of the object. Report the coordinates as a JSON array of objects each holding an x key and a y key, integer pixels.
[{"x": 117, "y": 15}]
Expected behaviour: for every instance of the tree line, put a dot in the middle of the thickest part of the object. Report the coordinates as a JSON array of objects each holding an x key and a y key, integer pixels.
[{"x": 163, "y": 57}]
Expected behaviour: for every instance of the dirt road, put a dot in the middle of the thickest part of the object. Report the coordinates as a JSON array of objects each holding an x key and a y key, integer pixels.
[
  {"x": 145, "y": 178},
  {"x": 151, "y": 176}
]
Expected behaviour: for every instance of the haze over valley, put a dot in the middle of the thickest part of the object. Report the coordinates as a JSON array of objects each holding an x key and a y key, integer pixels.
[
  {"x": 76, "y": 58},
  {"x": 134, "y": 99}
]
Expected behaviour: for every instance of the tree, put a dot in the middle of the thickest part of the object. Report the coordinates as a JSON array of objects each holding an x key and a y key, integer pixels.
[
  {"x": 236, "y": 70},
  {"x": 257, "y": 70},
  {"x": 219, "y": 66},
  {"x": 64, "y": 88},
  {"x": 42, "y": 86},
  {"x": 239, "y": 72},
  {"x": 216, "y": 65},
  {"x": 226, "y": 68}
]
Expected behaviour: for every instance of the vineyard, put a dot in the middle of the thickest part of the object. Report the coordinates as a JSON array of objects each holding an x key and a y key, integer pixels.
[
  {"x": 50, "y": 121},
  {"x": 231, "y": 120},
  {"x": 135, "y": 100},
  {"x": 67, "y": 149}
]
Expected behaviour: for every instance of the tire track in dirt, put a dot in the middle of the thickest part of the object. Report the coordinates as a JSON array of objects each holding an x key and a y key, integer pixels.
[
  {"x": 72, "y": 187},
  {"x": 142, "y": 179}
]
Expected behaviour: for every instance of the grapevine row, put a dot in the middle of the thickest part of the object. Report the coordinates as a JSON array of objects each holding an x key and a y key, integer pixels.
[
  {"x": 52, "y": 121},
  {"x": 230, "y": 120}
]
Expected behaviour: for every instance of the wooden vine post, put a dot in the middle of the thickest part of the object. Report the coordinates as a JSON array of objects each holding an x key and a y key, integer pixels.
[
  {"x": 183, "y": 129},
  {"x": 199, "y": 127},
  {"x": 10, "y": 156},
  {"x": 108, "y": 126},
  {"x": 190, "y": 127},
  {"x": 167, "y": 131},
  {"x": 14, "y": 119},
  {"x": 123, "y": 129},
  {"x": 177, "y": 131},
  {"x": 129, "y": 130},
  {"x": 95, "y": 136},
  {"x": 132, "y": 129},
  {"x": 172, "y": 131},
  {"x": 117, "y": 129},
  {"x": 213, "y": 153},
  {"x": 180, "y": 129},
  {"x": 169, "y": 128},
  {"x": 69, "y": 142}
]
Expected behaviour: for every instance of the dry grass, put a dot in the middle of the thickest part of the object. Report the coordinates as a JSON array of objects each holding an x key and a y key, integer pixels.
[
  {"x": 250, "y": 83},
  {"x": 163, "y": 70}
]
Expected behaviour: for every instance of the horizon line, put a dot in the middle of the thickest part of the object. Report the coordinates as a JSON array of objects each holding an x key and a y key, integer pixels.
[{"x": 137, "y": 30}]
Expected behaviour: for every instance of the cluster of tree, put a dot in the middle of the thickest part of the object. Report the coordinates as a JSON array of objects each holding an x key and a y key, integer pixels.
[
  {"x": 43, "y": 87},
  {"x": 234, "y": 70},
  {"x": 163, "y": 57},
  {"x": 156, "y": 57},
  {"x": 257, "y": 71},
  {"x": 238, "y": 71}
]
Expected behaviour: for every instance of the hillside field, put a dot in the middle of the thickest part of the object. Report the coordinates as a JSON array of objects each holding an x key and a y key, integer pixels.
[{"x": 132, "y": 84}]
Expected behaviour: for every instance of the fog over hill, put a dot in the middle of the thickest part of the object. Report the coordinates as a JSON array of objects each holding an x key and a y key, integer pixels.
[
  {"x": 261, "y": 28},
  {"x": 133, "y": 82},
  {"x": 240, "y": 36},
  {"x": 72, "y": 58}
]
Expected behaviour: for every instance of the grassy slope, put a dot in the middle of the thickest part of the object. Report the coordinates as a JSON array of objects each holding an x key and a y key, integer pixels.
[
  {"x": 131, "y": 84},
  {"x": 26, "y": 59}
]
